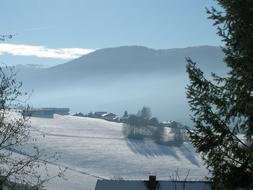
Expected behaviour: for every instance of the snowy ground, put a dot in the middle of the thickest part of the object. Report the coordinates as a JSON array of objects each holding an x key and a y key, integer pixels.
[{"x": 94, "y": 148}]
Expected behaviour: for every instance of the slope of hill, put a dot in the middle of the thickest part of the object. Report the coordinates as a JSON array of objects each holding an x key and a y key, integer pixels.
[
  {"x": 94, "y": 148},
  {"x": 122, "y": 78},
  {"x": 127, "y": 60},
  {"x": 138, "y": 59}
]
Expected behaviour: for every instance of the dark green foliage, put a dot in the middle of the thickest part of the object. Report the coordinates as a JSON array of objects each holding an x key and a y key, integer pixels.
[
  {"x": 223, "y": 107},
  {"x": 135, "y": 120},
  {"x": 142, "y": 118},
  {"x": 142, "y": 127},
  {"x": 154, "y": 121},
  {"x": 178, "y": 134},
  {"x": 16, "y": 186},
  {"x": 145, "y": 113},
  {"x": 125, "y": 114}
]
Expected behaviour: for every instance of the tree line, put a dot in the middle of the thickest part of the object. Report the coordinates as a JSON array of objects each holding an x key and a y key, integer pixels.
[{"x": 143, "y": 126}]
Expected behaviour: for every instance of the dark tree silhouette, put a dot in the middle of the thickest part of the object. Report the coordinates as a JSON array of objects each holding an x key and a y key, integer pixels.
[
  {"x": 145, "y": 113},
  {"x": 223, "y": 107},
  {"x": 125, "y": 114}
]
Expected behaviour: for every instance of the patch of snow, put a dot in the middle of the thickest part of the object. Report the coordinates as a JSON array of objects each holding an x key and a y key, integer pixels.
[{"x": 96, "y": 149}]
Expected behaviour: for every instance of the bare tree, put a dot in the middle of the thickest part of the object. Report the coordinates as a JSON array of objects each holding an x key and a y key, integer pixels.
[
  {"x": 17, "y": 166},
  {"x": 4, "y": 37}
]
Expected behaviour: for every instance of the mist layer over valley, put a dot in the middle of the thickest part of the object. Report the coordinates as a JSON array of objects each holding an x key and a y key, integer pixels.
[{"x": 121, "y": 78}]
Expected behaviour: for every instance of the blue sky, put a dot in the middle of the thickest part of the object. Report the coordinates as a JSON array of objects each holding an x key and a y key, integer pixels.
[{"x": 96, "y": 24}]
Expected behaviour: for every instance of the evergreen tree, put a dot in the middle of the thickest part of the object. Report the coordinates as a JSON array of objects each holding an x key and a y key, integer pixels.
[
  {"x": 145, "y": 113},
  {"x": 223, "y": 107},
  {"x": 125, "y": 114}
]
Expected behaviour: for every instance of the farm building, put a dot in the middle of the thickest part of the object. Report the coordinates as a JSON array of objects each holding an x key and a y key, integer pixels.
[{"x": 48, "y": 112}]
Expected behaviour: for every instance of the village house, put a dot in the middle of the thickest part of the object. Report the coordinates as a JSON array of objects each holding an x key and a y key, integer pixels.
[
  {"x": 104, "y": 115},
  {"x": 78, "y": 114},
  {"x": 48, "y": 112},
  {"x": 109, "y": 116},
  {"x": 98, "y": 114}
]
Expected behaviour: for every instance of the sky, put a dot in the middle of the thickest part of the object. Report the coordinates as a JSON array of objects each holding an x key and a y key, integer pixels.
[{"x": 50, "y": 32}]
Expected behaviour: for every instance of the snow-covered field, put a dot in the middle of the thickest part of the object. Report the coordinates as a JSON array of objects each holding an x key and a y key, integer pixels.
[{"x": 94, "y": 148}]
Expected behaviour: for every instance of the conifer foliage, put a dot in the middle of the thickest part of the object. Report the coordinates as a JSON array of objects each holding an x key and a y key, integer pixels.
[{"x": 222, "y": 107}]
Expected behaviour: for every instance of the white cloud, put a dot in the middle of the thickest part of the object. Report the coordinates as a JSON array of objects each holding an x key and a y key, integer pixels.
[{"x": 42, "y": 51}]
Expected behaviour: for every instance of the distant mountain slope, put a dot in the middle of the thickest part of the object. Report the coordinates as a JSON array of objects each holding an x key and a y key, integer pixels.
[
  {"x": 120, "y": 78},
  {"x": 137, "y": 59},
  {"x": 127, "y": 60}
]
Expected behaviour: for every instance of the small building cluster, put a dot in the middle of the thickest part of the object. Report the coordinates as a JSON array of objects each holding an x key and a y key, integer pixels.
[
  {"x": 48, "y": 112},
  {"x": 101, "y": 115}
]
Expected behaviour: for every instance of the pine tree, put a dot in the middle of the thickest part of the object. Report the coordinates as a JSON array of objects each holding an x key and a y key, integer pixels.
[{"x": 223, "y": 106}]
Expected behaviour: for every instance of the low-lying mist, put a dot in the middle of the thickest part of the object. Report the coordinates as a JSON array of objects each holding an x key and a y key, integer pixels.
[{"x": 165, "y": 95}]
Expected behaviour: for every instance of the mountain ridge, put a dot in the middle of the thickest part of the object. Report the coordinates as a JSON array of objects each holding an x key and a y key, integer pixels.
[{"x": 137, "y": 59}]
